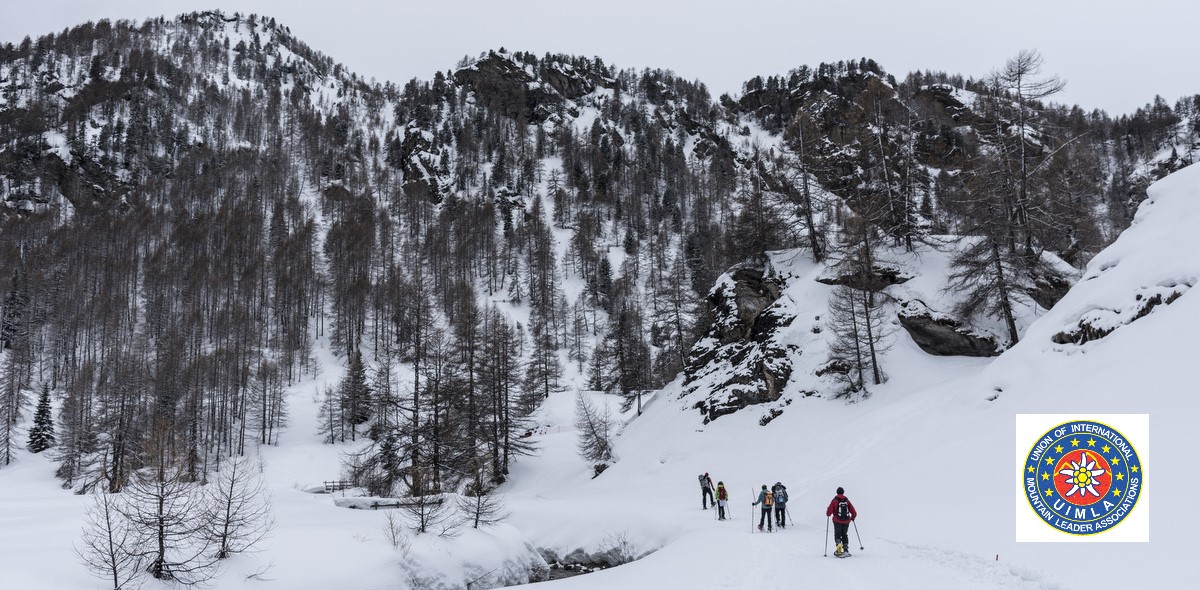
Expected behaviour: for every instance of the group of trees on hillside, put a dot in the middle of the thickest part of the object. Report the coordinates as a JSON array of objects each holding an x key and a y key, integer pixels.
[{"x": 1017, "y": 181}]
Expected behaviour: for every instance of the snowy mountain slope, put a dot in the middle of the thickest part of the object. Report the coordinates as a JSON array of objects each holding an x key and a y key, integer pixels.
[{"x": 928, "y": 459}]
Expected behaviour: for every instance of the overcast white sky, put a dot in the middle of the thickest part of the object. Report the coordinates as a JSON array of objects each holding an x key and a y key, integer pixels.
[{"x": 1114, "y": 54}]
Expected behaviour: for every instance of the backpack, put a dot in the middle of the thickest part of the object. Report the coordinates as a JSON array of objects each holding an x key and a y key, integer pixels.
[
  {"x": 704, "y": 482},
  {"x": 781, "y": 496},
  {"x": 843, "y": 509},
  {"x": 768, "y": 499}
]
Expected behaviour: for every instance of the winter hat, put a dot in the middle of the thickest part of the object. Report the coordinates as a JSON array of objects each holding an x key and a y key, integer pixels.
[
  {"x": 841, "y": 491},
  {"x": 778, "y": 485},
  {"x": 764, "y": 486},
  {"x": 720, "y": 483}
]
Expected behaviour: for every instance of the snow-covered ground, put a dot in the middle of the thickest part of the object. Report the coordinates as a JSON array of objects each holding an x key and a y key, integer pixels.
[{"x": 927, "y": 459}]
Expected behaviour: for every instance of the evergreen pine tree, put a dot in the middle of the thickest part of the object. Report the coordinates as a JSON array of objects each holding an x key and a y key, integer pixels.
[
  {"x": 543, "y": 370},
  {"x": 627, "y": 366},
  {"x": 356, "y": 394},
  {"x": 41, "y": 436}
]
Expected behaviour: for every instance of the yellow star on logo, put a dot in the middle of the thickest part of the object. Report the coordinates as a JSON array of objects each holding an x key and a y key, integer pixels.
[
  {"x": 1104, "y": 448},
  {"x": 1117, "y": 493},
  {"x": 1058, "y": 448},
  {"x": 1029, "y": 469},
  {"x": 1116, "y": 461},
  {"x": 1134, "y": 469},
  {"x": 1091, "y": 442},
  {"x": 1074, "y": 442},
  {"x": 1120, "y": 476},
  {"x": 1049, "y": 493},
  {"x": 1044, "y": 476}
]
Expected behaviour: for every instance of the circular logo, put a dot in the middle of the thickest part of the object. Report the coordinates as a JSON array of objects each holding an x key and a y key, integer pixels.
[{"x": 1082, "y": 477}]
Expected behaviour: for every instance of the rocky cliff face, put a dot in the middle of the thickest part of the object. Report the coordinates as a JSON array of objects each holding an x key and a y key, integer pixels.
[
  {"x": 742, "y": 343},
  {"x": 413, "y": 153},
  {"x": 530, "y": 91},
  {"x": 772, "y": 341}
]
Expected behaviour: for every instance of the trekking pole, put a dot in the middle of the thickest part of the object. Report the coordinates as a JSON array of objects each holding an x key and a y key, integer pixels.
[
  {"x": 751, "y": 512},
  {"x": 860, "y": 547},
  {"x": 788, "y": 513},
  {"x": 827, "y": 536}
]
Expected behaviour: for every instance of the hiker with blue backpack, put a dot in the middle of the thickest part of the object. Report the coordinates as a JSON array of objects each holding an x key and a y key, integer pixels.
[
  {"x": 706, "y": 492},
  {"x": 779, "y": 491}
]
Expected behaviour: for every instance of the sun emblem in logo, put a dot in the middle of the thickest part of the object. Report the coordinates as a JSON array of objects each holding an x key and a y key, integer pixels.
[{"x": 1082, "y": 477}]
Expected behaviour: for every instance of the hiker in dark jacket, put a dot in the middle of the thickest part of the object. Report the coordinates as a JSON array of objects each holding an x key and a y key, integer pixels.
[
  {"x": 780, "y": 492},
  {"x": 843, "y": 514},
  {"x": 706, "y": 491},
  {"x": 767, "y": 499},
  {"x": 722, "y": 500}
]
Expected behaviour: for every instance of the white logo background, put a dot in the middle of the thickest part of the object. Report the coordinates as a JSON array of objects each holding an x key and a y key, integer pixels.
[{"x": 1135, "y": 528}]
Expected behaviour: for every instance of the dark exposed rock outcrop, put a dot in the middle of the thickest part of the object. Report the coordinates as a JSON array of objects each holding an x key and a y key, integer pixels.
[
  {"x": 1048, "y": 287},
  {"x": 528, "y": 91},
  {"x": 880, "y": 277},
  {"x": 414, "y": 157},
  {"x": 942, "y": 335},
  {"x": 745, "y": 363},
  {"x": 741, "y": 300},
  {"x": 81, "y": 181},
  {"x": 1099, "y": 323}
]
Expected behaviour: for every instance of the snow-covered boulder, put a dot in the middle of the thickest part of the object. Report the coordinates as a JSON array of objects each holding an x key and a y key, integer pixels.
[
  {"x": 880, "y": 277},
  {"x": 942, "y": 335}
]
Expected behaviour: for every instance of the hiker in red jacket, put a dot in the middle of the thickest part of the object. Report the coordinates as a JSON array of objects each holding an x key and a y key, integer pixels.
[{"x": 843, "y": 513}]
